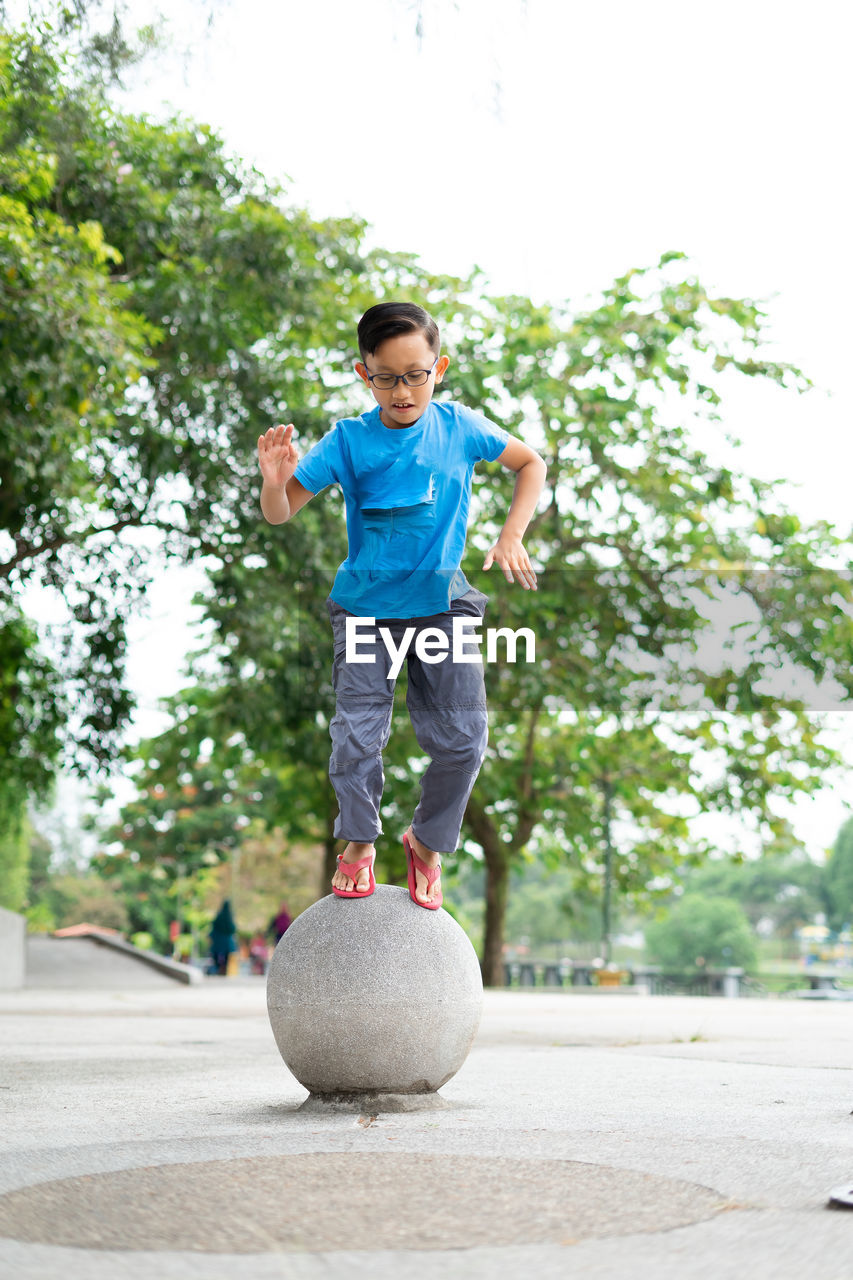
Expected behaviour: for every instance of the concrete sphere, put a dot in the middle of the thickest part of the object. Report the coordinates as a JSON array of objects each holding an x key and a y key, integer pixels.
[{"x": 374, "y": 995}]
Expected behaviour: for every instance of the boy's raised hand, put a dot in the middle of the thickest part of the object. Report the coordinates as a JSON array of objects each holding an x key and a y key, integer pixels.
[
  {"x": 277, "y": 455},
  {"x": 510, "y": 554}
]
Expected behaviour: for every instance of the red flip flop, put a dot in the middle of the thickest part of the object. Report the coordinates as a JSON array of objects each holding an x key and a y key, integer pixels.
[
  {"x": 352, "y": 869},
  {"x": 413, "y": 864}
]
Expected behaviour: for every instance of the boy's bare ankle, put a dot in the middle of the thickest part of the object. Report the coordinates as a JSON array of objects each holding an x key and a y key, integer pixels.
[
  {"x": 355, "y": 851},
  {"x": 429, "y": 856}
]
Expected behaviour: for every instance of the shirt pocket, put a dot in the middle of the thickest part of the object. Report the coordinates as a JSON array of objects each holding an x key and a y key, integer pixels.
[{"x": 395, "y": 538}]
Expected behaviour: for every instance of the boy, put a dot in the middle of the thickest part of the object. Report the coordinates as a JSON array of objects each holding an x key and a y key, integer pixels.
[{"x": 405, "y": 469}]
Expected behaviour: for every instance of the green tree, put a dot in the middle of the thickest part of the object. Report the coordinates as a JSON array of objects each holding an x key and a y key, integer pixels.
[
  {"x": 838, "y": 878},
  {"x": 194, "y": 305},
  {"x": 546, "y": 907},
  {"x": 14, "y": 861},
  {"x": 81, "y": 898},
  {"x": 159, "y": 303},
  {"x": 642, "y": 536},
  {"x": 600, "y": 794},
  {"x": 68, "y": 347},
  {"x": 702, "y": 933},
  {"x": 147, "y": 895},
  {"x": 787, "y": 891},
  {"x": 169, "y": 837},
  {"x": 211, "y": 305}
]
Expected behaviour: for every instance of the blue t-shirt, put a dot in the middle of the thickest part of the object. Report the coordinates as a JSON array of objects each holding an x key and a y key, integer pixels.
[{"x": 407, "y": 494}]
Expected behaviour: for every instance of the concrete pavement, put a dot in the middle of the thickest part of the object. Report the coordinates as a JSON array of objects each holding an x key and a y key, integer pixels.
[{"x": 155, "y": 1131}]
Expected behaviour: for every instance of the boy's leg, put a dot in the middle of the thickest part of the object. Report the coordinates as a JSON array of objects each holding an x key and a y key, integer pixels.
[
  {"x": 359, "y": 731},
  {"x": 447, "y": 705}
]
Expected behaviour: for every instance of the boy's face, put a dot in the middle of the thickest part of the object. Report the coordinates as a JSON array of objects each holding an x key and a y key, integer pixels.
[{"x": 401, "y": 406}]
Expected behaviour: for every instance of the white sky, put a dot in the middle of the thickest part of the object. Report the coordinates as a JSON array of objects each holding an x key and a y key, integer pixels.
[{"x": 556, "y": 144}]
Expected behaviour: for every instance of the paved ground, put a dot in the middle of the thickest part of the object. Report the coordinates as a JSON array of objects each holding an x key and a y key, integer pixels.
[{"x": 155, "y": 1131}]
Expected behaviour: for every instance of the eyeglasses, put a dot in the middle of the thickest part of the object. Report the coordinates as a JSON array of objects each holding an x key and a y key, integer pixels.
[{"x": 414, "y": 378}]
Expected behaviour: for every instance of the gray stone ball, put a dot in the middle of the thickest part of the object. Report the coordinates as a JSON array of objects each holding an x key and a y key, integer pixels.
[{"x": 374, "y": 995}]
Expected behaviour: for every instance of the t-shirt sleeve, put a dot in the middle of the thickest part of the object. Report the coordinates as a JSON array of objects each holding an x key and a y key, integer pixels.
[
  {"x": 321, "y": 465},
  {"x": 483, "y": 439}
]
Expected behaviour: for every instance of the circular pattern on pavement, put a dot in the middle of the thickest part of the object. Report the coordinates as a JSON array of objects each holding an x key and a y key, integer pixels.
[{"x": 311, "y": 1202}]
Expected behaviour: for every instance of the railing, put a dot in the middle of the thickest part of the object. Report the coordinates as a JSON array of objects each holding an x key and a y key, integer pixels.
[{"x": 649, "y": 979}]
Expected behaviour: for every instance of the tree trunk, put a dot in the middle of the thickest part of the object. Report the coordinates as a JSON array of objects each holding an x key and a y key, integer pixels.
[
  {"x": 497, "y": 858},
  {"x": 498, "y": 855},
  {"x": 497, "y": 884}
]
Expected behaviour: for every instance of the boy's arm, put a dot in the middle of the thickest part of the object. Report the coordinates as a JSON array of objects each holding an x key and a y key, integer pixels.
[
  {"x": 509, "y": 551},
  {"x": 281, "y": 494},
  {"x": 280, "y": 505}
]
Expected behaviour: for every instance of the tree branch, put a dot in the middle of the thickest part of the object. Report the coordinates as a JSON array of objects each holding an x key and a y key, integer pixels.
[
  {"x": 25, "y": 550},
  {"x": 482, "y": 827}
]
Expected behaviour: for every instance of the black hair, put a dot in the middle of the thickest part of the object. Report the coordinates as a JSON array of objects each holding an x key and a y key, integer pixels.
[{"x": 389, "y": 320}]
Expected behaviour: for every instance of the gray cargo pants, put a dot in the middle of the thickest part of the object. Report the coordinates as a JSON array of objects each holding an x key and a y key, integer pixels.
[{"x": 447, "y": 706}]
